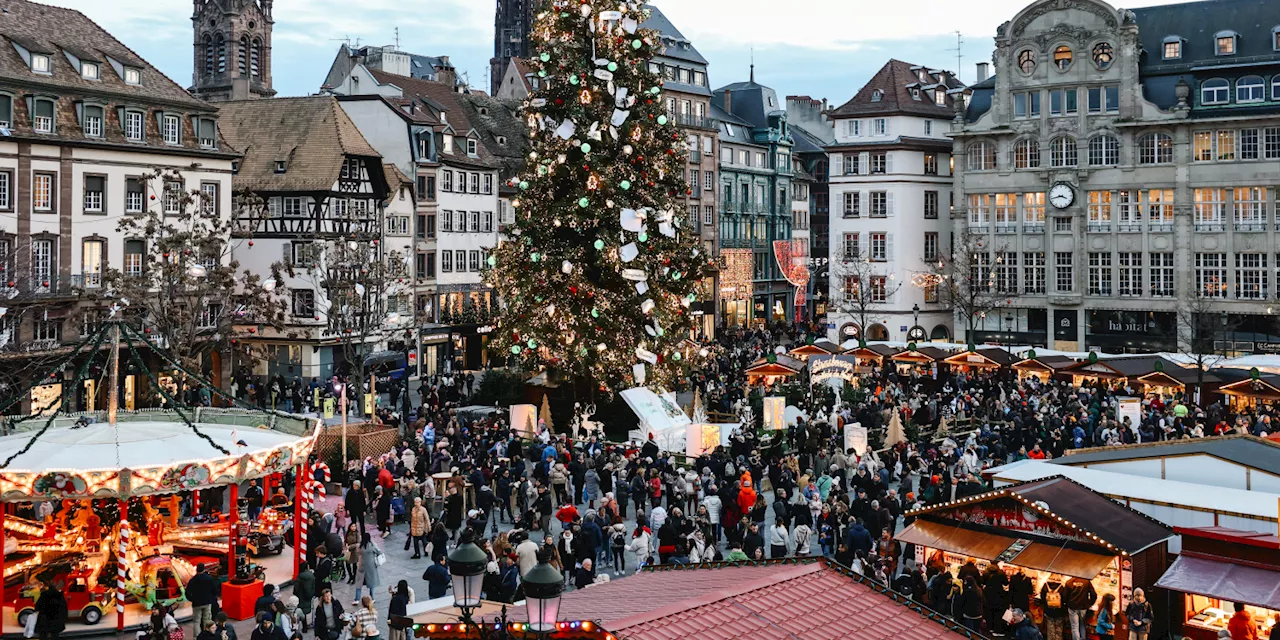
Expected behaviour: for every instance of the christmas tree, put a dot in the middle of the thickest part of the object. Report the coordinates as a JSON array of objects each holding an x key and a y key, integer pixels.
[{"x": 601, "y": 265}]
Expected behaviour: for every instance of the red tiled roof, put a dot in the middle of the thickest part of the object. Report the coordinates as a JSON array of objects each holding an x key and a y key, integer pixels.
[
  {"x": 770, "y": 600},
  {"x": 893, "y": 81}
]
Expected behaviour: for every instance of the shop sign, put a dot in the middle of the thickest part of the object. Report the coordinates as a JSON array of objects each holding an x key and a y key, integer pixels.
[
  {"x": 1267, "y": 347},
  {"x": 825, "y": 368},
  {"x": 1012, "y": 516},
  {"x": 1014, "y": 549},
  {"x": 435, "y": 337},
  {"x": 488, "y": 328},
  {"x": 916, "y": 334},
  {"x": 974, "y": 358}
]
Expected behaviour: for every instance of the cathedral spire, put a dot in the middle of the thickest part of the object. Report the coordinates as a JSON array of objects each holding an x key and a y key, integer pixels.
[{"x": 232, "y": 49}]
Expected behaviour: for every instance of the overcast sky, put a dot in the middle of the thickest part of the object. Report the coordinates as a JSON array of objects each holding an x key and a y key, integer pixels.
[{"x": 820, "y": 48}]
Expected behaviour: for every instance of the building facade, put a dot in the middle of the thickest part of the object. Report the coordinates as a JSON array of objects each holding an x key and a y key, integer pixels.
[
  {"x": 1126, "y": 161},
  {"x": 232, "y": 50},
  {"x": 84, "y": 119},
  {"x": 812, "y": 132},
  {"x": 890, "y": 179},
  {"x": 755, "y": 204}
]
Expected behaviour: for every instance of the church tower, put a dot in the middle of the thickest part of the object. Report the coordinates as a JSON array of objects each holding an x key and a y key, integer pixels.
[{"x": 232, "y": 50}]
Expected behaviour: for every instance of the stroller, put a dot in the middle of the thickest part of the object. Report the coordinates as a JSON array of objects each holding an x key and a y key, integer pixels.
[{"x": 397, "y": 509}]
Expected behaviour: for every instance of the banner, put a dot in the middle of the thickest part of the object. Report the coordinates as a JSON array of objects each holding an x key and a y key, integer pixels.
[
  {"x": 827, "y": 367},
  {"x": 855, "y": 437}
]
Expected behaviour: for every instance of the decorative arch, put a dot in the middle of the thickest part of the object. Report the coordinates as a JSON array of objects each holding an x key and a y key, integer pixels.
[
  {"x": 220, "y": 44},
  {"x": 1109, "y": 14},
  {"x": 208, "y": 54},
  {"x": 1026, "y": 153},
  {"x": 255, "y": 58},
  {"x": 940, "y": 333},
  {"x": 877, "y": 332}
]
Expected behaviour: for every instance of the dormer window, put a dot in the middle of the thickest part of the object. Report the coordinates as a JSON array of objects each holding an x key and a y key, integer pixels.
[
  {"x": 92, "y": 123},
  {"x": 132, "y": 76},
  {"x": 484, "y": 111},
  {"x": 90, "y": 70},
  {"x": 6, "y": 111},
  {"x": 1275, "y": 38},
  {"x": 448, "y": 142},
  {"x": 1173, "y": 47},
  {"x": 502, "y": 140},
  {"x": 915, "y": 93},
  {"x": 1225, "y": 43},
  {"x": 207, "y": 133},
  {"x": 940, "y": 97},
  {"x": 875, "y": 95},
  {"x": 42, "y": 120},
  {"x": 473, "y": 147},
  {"x": 1251, "y": 89},
  {"x": 281, "y": 166},
  {"x": 133, "y": 129},
  {"x": 40, "y": 63}
]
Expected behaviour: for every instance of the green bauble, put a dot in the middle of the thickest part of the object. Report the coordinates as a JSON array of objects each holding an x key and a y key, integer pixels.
[
  {"x": 675, "y": 275},
  {"x": 598, "y": 244},
  {"x": 533, "y": 344},
  {"x": 524, "y": 184},
  {"x": 545, "y": 57},
  {"x": 676, "y": 356},
  {"x": 654, "y": 90},
  {"x": 625, "y": 184},
  {"x": 661, "y": 332},
  {"x": 636, "y": 44},
  {"x": 583, "y": 202},
  {"x": 644, "y": 237},
  {"x": 542, "y": 171},
  {"x": 595, "y": 313},
  {"x": 662, "y": 119},
  {"x": 535, "y": 256},
  {"x": 542, "y": 74},
  {"x": 515, "y": 349},
  {"x": 613, "y": 66},
  {"x": 493, "y": 260},
  {"x": 586, "y": 148},
  {"x": 573, "y": 79}
]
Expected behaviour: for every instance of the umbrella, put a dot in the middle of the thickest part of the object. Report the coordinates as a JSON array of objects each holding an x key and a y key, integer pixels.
[{"x": 896, "y": 434}]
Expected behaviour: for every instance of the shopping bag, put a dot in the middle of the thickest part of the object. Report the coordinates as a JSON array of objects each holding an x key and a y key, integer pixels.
[
  {"x": 30, "y": 630},
  {"x": 1008, "y": 616}
]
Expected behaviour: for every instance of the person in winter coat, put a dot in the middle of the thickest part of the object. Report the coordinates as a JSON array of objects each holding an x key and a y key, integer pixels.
[
  {"x": 1139, "y": 615},
  {"x": 267, "y": 628},
  {"x": 419, "y": 525},
  {"x": 971, "y": 605},
  {"x": 641, "y": 544},
  {"x": 51, "y": 611},
  {"x": 453, "y": 511},
  {"x": 995, "y": 596},
  {"x": 355, "y": 503},
  {"x": 591, "y": 487},
  {"x": 778, "y": 539},
  {"x": 746, "y": 494},
  {"x": 304, "y": 589},
  {"x": 1023, "y": 628},
  {"x": 369, "y": 553},
  {"x": 857, "y": 538},
  {"x": 328, "y": 617},
  {"x": 714, "y": 512}
]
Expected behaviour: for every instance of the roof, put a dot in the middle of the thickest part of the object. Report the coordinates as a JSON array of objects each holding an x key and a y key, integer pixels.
[
  {"x": 1233, "y": 536},
  {"x": 780, "y": 362},
  {"x": 1216, "y": 578},
  {"x": 395, "y": 177},
  {"x": 893, "y": 82},
  {"x": 805, "y": 142},
  {"x": 793, "y": 598},
  {"x": 458, "y": 118},
  {"x": 1051, "y": 362},
  {"x": 677, "y": 46},
  {"x": 1249, "y": 451},
  {"x": 751, "y": 101},
  {"x": 313, "y": 134},
  {"x": 1198, "y": 22},
  {"x": 49, "y": 29}
]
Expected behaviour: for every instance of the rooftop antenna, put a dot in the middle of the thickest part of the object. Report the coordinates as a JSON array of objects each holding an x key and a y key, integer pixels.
[
  {"x": 397, "y": 38},
  {"x": 344, "y": 39},
  {"x": 959, "y": 49},
  {"x": 753, "y": 64}
]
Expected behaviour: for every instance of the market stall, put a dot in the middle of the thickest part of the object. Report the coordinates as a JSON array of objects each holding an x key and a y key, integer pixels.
[
  {"x": 1093, "y": 371},
  {"x": 773, "y": 368},
  {"x": 1044, "y": 368},
  {"x": 815, "y": 348},
  {"x": 1255, "y": 391},
  {"x": 983, "y": 359},
  {"x": 922, "y": 360},
  {"x": 1052, "y": 531},
  {"x": 1217, "y": 569},
  {"x": 873, "y": 355}
]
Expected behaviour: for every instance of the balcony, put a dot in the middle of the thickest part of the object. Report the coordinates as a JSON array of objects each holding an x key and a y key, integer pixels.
[
  {"x": 1250, "y": 226},
  {"x": 1129, "y": 227},
  {"x": 694, "y": 122},
  {"x": 695, "y": 156},
  {"x": 1030, "y": 228},
  {"x": 1002, "y": 227},
  {"x": 1202, "y": 227},
  {"x": 1160, "y": 227},
  {"x": 1099, "y": 227},
  {"x": 45, "y": 287}
]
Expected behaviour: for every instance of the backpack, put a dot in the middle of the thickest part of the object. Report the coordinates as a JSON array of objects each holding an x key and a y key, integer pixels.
[{"x": 1053, "y": 598}]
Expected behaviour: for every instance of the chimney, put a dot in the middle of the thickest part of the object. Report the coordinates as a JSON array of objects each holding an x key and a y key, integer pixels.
[
  {"x": 728, "y": 101},
  {"x": 982, "y": 71},
  {"x": 445, "y": 73}
]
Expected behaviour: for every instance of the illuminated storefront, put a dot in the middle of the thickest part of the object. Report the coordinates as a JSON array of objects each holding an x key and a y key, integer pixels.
[{"x": 1217, "y": 569}]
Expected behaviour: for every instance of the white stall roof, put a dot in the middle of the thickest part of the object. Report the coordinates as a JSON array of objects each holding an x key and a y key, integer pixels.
[
  {"x": 1118, "y": 486},
  {"x": 1264, "y": 363}
]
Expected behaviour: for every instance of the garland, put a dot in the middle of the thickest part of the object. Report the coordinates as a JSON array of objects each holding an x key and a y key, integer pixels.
[
  {"x": 56, "y": 368},
  {"x": 165, "y": 392}
]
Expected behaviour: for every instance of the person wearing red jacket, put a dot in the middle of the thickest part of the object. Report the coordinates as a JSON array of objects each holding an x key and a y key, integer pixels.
[
  {"x": 746, "y": 493},
  {"x": 567, "y": 514}
]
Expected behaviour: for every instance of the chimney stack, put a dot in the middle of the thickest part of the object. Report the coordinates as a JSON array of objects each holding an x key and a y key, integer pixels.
[
  {"x": 728, "y": 101},
  {"x": 982, "y": 71}
]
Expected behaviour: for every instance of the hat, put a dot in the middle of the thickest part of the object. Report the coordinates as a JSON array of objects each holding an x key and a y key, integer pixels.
[{"x": 472, "y": 513}]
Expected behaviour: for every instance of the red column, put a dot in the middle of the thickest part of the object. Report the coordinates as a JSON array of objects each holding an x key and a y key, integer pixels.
[
  {"x": 2, "y": 563},
  {"x": 299, "y": 522},
  {"x": 233, "y": 518}
]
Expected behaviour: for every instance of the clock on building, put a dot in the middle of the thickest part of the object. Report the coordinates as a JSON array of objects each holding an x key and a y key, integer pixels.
[{"x": 1061, "y": 195}]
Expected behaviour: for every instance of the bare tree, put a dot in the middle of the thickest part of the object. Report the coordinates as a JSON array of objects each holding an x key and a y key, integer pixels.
[
  {"x": 973, "y": 281},
  {"x": 861, "y": 285},
  {"x": 1201, "y": 319}
]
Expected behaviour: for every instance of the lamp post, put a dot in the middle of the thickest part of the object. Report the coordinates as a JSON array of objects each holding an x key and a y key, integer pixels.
[
  {"x": 466, "y": 565},
  {"x": 542, "y": 588}
]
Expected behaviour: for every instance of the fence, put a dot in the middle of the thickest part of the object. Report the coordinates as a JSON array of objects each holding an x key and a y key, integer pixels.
[{"x": 364, "y": 439}]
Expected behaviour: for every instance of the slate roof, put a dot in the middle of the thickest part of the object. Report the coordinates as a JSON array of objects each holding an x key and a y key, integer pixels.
[
  {"x": 1197, "y": 22},
  {"x": 812, "y": 598},
  {"x": 457, "y": 117},
  {"x": 805, "y": 142},
  {"x": 894, "y": 80},
  {"x": 52, "y": 30},
  {"x": 313, "y": 134},
  {"x": 677, "y": 46},
  {"x": 1249, "y": 451},
  {"x": 500, "y": 118},
  {"x": 1095, "y": 513}
]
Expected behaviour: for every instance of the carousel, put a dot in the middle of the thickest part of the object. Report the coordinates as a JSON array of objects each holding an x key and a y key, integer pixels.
[{"x": 117, "y": 508}]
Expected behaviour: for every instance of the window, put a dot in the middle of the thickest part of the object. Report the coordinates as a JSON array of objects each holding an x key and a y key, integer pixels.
[
  {"x": 1251, "y": 276},
  {"x": 1100, "y": 211},
  {"x": 1103, "y": 55},
  {"x": 931, "y": 164},
  {"x": 1160, "y": 209},
  {"x": 133, "y": 129},
  {"x": 879, "y": 204},
  {"x": 473, "y": 221},
  {"x": 1033, "y": 272},
  {"x": 1211, "y": 275},
  {"x": 94, "y": 186},
  {"x": 47, "y": 331},
  {"x": 133, "y": 256},
  {"x": 693, "y": 180},
  {"x": 42, "y": 120},
  {"x": 1275, "y": 87},
  {"x": 475, "y": 183},
  {"x": 472, "y": 147},
  {"x": 132, "y": 76},
  {"x": 928, "y": 127},
  {"x": 1062, "y": 152},
  {"x": 1251, "y": 89},
  {"x": 209, "y": 199},
  {"x": 980, "y": 275},
  {"x": 931, "y": 205},
  {"x": 930, "y": 246},
  {"x": 473, "y": 261},
  {"x": 979, "y": 210},
  {"x": 92, "y": 124},
  {"x": 1006, "y": 212},
  {"x": 1128, "y": 211},
  {"x": 1026, "y": 61},
  {"x": 879, "y": 162},
  {"x": 1006, "y": 272},
  {"x": 1271, "y": 143},
  {"x": 304, "y": 303},
  {"x": 851, "y": 249},
  {"x": 1209, "y": 206},
  {"x": 460, "y": 261},
  {"x": 1026, "y": 105},
  {"x": 1099, "y": 274},
  {"x": 207, "y": 133},
  {"x": 1172, "y": 48},
  {"x": 1104, "y": 151},
  {"x": 292, "y": 207},
  {"x": 875, "y": 95},
  {"x": 6, "y": 193},
  {"x": 1157, "y": 148},
  {"x": 760, "y": 160},
  {"x": 1161, "y": 270},
  {"x": 1130, "y": 273},
  {"x": 446, "y": 261},
  {"x": 853, "y": 128},
  {"x": 173, "y": 196},
  {"x": 1225, "y": 43},
  {"x": 172, "y": 129},
  {"x": 940, "y": 97},
  {"x": 1248, "y": 144},
  {"x": 1062, "y": 58},
  {"x": 1104, "y": 99},
  {"x": 40, "y": 63},
  {"x": 879, "y": 127},
  {"x": 1249, "y": 204},
  {"x": 460, "y": 221},
  {"x": 446, "y": 181},
  {"x": 91, "y": 262},
  {"x": 42, "y": 260},
  {"x": 398, "y": 225},
  {"x": 486, "y": 222},
  {"x": 429, "y": 265},
  {"x": 981, "y": 156},
  {"x": 42, "y": 192},
  {"x": 1063, "y": 271},
  {"x": 89, "y": 70},
  {"x": 708, "y": 215},
  {"x": 1033, "y": 212},
  {"x": 708, "y": 181},
  {"x": 1062, "y": 102},
  {"x": 1215, "y": 91},
  {"x": 1026, "y": 154},
  {"x": 852, "y": 204},
  {"x": 879, "y": 247},
  {"x": 879, "y": 289}
]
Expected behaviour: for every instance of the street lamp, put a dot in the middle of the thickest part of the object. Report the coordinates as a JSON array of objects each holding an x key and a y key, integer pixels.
[
  {"x": 466, "y": 565},
  {"x": 915, "y": 310},
  {"x": 542, "y": 588}
]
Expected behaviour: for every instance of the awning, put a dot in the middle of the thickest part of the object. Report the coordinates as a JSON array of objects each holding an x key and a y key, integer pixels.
[
  {"x": 1043, "y": 556},
  {"x": 1223, "y": 580}
]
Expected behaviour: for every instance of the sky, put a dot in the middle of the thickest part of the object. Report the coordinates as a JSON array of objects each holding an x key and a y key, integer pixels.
[{"x": 820, "y": 48}]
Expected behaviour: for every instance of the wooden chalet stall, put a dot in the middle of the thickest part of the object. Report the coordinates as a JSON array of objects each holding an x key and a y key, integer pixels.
[
  {"x": 921, "y": 359},
  {"x": 1256, "y": 390},
  {"x": 1095, "y": 371},
  {"x": 1218, "y": 568},
  {"x": 773, "y": 368},
  {"x": 1053, "y": 531},
  {"x": 873, "y": 355},
  {"x": 983, "y": 359},
  {"x": 1043, "y": 367},
  {"x": 816, "y": 348},
  {"x": 1154, "y": 375}
]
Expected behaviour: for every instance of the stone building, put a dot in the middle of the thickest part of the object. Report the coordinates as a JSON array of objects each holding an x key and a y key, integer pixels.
[
  {"x": 232, "y": 50},
  {"x": 1120, "y": 171}
]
